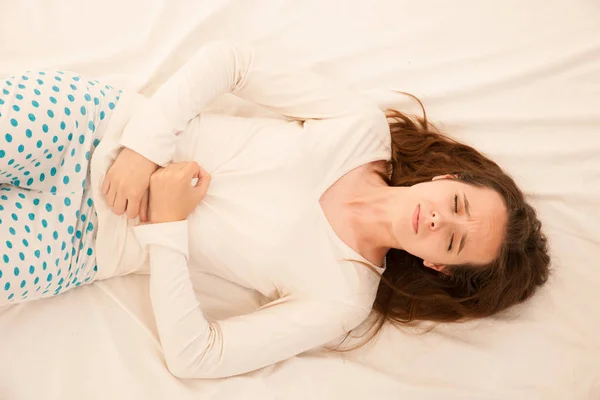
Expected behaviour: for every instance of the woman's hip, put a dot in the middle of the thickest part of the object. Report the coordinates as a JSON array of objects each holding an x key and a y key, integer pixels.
[{"x": 51, "y": 123}]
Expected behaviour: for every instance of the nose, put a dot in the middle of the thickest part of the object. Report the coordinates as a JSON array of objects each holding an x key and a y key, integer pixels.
[{"x": 436, "y": 221}]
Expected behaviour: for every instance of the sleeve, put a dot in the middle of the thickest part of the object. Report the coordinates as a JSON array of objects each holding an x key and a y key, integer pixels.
[
  {"x": 222, "y": 67},
  {"x": 196, "y": 348}
]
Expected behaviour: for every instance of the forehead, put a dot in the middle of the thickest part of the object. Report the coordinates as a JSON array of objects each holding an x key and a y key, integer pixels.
[
  {"x": 481, "y": 198},
  {"x": 487, "y": 195},
  {"x": 487, "y": 224}
]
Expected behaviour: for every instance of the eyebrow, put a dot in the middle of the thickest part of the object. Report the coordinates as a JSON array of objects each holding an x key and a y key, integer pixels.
[
  {"x": 467, "y": 206},
  {"x": 463, "y": 240}
]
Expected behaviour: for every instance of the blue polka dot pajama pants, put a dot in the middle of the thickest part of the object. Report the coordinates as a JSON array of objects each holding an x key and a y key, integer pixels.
[{"x": 50, "y": 124}]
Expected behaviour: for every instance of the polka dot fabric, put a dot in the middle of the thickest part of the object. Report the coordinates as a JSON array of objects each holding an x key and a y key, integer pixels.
[{"x": 50, "y": 124}]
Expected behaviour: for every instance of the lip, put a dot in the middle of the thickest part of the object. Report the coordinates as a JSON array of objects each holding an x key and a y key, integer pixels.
[{"x": 415, "y": 218}]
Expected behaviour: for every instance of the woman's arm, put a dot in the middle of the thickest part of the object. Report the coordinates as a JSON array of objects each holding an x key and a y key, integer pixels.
[
  {"x": 218, "y": 68},
  {"x": 196, "y": 348},
  {"x": 222, "y": 67}
]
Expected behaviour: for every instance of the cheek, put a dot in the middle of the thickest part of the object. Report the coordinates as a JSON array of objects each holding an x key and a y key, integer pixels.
[
  {"x": 427, "y": 248},
  {"x": 435, "y": 247}
]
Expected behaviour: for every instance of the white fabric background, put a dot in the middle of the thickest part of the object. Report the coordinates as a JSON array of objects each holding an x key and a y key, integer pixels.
[{"x": 519, "y": 80}]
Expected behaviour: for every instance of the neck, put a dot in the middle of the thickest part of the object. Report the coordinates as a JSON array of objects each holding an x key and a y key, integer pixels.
[{"x": 372, "y": 208}]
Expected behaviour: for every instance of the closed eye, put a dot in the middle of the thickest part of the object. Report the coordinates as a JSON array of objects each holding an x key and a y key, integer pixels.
[{"x": 455, "y": 211}]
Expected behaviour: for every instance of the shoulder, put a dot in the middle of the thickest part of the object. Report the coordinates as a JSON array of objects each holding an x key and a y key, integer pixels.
[
  {"x": 347, "y": 142},
  {"x": 374, "y": 116},
  {"x": 349, "y": 293},
  {"x": 369, "y": 121},
  {"x": 368, "y": 133},
  {"x": 362, "y": 119},
  {"x": 376, "y": 136}
]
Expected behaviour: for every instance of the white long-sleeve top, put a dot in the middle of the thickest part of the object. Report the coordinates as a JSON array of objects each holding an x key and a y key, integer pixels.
[{"x": 260, "y": 224}]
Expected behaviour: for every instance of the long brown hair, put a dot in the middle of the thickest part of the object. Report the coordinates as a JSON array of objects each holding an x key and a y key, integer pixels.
[{"x": 409, "y": 292}]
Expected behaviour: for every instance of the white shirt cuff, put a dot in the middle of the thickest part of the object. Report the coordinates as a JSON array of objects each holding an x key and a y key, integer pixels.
[{"x": 172, "y": 235}]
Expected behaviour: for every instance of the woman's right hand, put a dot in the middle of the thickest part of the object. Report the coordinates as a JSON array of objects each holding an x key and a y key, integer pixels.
[
  {"x": 172, "y": 194},
  {"x": 125, "y": 186}
]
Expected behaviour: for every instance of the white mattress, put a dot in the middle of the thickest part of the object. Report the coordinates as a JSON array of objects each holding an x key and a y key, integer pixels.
[{"x": 519, "y": 80}]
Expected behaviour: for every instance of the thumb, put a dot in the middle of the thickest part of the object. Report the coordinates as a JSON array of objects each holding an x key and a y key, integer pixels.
[
  {"x": 144, "y": 207},
  {"x": 203, "y": 183}
]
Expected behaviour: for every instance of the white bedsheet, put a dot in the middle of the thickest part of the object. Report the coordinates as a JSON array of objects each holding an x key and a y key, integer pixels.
[{"x": 519, "y": 80}]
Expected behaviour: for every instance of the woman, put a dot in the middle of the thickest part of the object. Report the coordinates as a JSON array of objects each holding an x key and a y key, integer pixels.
[{"x": 328, "y": 213}]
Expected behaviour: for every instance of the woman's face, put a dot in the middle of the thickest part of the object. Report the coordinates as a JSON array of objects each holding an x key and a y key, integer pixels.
[{"x": 447, "y": 222}]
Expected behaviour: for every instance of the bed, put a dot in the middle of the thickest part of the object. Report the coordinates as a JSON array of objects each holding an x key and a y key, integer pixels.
[{"x": 518, "y": 80}]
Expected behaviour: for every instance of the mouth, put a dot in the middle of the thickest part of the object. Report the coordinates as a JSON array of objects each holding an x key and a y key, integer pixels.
[{"x": 415, "y": 218}]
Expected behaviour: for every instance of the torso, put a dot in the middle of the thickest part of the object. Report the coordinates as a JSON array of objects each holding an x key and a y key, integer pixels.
[
  {"x": 333, "y": 204},
  {"x": 258, "y": 226}
]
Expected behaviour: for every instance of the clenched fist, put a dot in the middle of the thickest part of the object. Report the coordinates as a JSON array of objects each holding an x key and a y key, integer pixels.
[{"x": 173, "y": 196}]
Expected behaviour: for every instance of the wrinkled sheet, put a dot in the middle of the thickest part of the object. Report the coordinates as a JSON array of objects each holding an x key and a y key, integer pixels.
[{"x": 518, "y": 80}]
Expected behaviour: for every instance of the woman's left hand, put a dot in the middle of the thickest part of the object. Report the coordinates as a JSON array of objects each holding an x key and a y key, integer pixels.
[
  {"x": 126, "y": 184},
  {"x": 173, "y": 192}
]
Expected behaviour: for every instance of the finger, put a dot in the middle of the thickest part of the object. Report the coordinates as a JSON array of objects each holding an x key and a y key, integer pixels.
[
  {"x": 133, "y": 208},
  {"x": 193, "y": 168},
  {"x": 204, "y": 173},
  {"x": 200, "y": 175},
  {"x": 202, "y": 186},
  {"x": 188, "y": 172},
  {"x": 110, "y": 197},
  {"x": 120, "y": 204},
  {"x": 144, "y": 207},
  {"x": 105, "y": 186}
]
